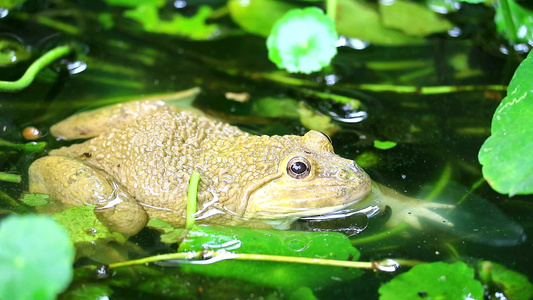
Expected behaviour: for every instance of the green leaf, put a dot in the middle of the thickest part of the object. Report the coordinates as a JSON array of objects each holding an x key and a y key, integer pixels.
[
  {"x": 36, "y": 258},
  {"x": 513, "y": 284},
  {"x": 434, "y": 281},
  {"x": 522, "y": 19},
  {"x": 328, "y": 245},
  {"x": 35, "y": 199},
  {"x": 84, "y": 227},
  {"x": 194, "y": 27},
  {"x": 384, "y": 145},
  {"x": 251, "y": 17},
  {"x": 367, "y": 25},
  {"x": 412, "y": 18},
  {"x": 303, "y": 40},
  {"x": 506, "y": 154}
]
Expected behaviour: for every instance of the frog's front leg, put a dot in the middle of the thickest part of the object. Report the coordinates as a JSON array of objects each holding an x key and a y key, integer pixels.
[
  {"x": 407, "y": 209},
  {"x": 73, "y": 183}
]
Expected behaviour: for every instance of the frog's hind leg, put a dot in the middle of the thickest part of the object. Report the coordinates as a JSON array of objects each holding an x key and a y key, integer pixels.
[
  {"x": 92, "y": 123},
  {"x": 72, "y": 183}
]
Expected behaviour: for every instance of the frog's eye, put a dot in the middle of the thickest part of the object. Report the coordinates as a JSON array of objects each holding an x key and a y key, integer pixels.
[{"x": 298, "y": 167}]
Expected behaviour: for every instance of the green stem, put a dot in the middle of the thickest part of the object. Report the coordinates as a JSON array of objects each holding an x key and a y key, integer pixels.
[
  {"x": 36, "y": 67},
  {"x": 192, "y": 194},
  {"x": 10, "y": 202},
  {"x": 387, "y": 265},
  {"x": 331, "y": 9},
  {"x": 10, "y": 177},
  {"x": 383, "y": 235},
  {"x": 508, "y": 19},
  {"x": 441, "y": 184},
  {"x": 28, "y": 147}
]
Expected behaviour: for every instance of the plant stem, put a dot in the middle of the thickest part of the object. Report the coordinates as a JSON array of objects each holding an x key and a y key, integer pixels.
[
  {"x": 36, "y": 67},
  {"x": 508, "y": 19},
  {"x": 331, "y": 9},
  {"x": 10, "y": 177},
  {"x": 382, "y": 235},
  {"x": 192, "y": 194},
  {"x": 208, "y": 257}
]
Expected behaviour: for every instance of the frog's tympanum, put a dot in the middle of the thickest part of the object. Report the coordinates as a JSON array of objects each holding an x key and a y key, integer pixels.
[{"x": 138, "y": 164}]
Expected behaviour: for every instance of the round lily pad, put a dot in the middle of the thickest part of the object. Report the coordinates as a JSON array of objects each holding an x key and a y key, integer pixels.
[
  {"x": 36, "y": 258},
  {"x": 506, "y": 154},
  {"x": 303, "y": 40},
  {"x": 437, "y": 280}
]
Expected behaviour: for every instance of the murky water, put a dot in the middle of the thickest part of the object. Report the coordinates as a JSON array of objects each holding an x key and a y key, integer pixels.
[{"x": 438, "y": 135}]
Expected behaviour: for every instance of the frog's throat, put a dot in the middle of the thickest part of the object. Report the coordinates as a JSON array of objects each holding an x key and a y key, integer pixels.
[{"x": 252, "y": 187}]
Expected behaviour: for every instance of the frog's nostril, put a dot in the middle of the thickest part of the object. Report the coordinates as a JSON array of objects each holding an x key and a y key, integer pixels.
[{"x": 342, "y": 174}]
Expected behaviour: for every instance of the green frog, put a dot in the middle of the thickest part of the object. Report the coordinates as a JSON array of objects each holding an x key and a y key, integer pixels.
[{"x": 140, "y": 156}]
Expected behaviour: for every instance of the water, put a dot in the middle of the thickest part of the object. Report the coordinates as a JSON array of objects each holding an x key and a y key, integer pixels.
[{"x": 438, "y": 135}]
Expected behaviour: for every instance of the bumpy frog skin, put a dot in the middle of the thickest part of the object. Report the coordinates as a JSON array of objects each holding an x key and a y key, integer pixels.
[{"x": 140, "y": 160}]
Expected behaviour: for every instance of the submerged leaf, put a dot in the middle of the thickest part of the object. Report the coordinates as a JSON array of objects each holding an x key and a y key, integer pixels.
[
  {"x": 330, "y": 245},
  {"x": 303, "y": 40},
  {"x": 313, "y": 120},
  {"x": 36, "y": 258},
  {"x": 506, "y": 154},
  {"x": 434, "y": 281}
]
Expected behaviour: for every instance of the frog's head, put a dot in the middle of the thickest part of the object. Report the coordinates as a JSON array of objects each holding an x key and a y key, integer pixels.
[{"x": 310, "y": 180}]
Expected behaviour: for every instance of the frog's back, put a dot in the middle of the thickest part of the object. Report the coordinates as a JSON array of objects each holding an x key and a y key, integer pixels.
[{"x": 154, "y": 157}]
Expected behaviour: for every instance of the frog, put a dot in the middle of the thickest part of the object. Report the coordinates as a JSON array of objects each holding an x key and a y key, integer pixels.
[{"x": 138, "y": 156}]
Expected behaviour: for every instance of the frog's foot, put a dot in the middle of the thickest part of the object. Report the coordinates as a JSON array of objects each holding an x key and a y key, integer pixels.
[
  {"x": 73, "y": 183},
  {"x": 410, "y": 210},
  {"x": 413, "y": 210}
]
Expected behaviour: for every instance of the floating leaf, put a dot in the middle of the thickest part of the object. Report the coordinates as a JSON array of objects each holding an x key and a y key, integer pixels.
[
  {"x": 251, "y": 17},
  {"x": 506, "y": 154},
  {"x": 522, "y": 19},
  {"x": 327, "y": 245},
  {"x": 84, "y": 227},
  {"x": 412, "y": 18},
  {"x": 384, "y": 145},
  {"x": 36, "y": 258},
  {"x": 303, "y": 40},
  {"x": 514, "y": 284},
  {"x": 434, "y": 281},
  {"x": 35, "y": 199},
  {"x": 194, "y": 27}
]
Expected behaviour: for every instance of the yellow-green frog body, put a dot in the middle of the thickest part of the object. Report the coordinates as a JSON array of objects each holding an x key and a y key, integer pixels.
[{"x": 142, "y": 154}]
